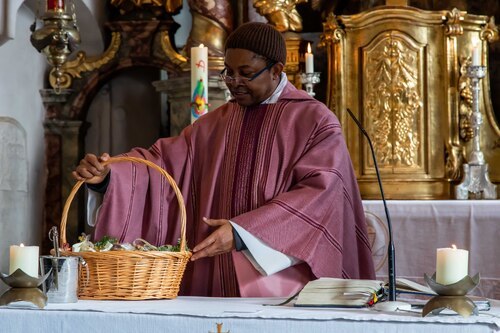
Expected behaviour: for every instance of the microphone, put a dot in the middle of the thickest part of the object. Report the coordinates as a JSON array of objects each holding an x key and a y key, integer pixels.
[{"x": 390, "y": 250}]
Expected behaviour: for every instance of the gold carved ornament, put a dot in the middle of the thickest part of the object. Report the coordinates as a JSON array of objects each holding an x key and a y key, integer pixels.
[
  {"x": 332, "y": 31},
  {"x": 73, "y": 69},
  {"x": 393, "y": 102},
  {"x": 281, "y": 13},
  {"x": 292, "y": 61},
  {"x": 490, "y": 31},
  {"x": 176, "y": 58},
  {"x": 454, "y": 20},
  {"x": 212, "y": 34},
  {"x": 127, "y": 5},
  {"x": 454, "y": 158},
  {"x": 465, "y": 106},
  {"x": 454, "y": 153},
  {"x": 333, "y": 37}
]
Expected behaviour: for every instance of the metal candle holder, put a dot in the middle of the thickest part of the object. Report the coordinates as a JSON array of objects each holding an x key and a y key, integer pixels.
[
  {"x": 309, "y": 80},
  {"x": 451, "y": 296},
  {"x": 476, "y": 180},
  {"x": 57, "y": 38},
  {"x": 24, "y": 287}
]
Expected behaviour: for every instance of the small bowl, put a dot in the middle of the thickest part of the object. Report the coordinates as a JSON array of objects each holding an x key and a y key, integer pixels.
[
  {"x": 19, "y": 279},
  {"x": 459, "y": 288}
]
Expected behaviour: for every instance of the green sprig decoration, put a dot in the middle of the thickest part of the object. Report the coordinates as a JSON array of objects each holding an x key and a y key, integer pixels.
[{"x": 99, "y": 245}]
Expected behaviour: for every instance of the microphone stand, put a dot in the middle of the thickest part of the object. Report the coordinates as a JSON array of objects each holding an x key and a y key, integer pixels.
[{"x": 390, "y": 250}]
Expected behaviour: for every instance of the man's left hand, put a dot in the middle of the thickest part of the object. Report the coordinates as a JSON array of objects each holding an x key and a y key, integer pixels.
[{"x": 220, "y": 241}]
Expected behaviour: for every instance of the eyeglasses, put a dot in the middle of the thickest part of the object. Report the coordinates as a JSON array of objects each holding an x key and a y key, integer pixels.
[{"x": 244, "y": 79}]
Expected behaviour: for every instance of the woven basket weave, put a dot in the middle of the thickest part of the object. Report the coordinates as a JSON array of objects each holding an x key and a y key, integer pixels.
[{"x": 131, "y": 275}]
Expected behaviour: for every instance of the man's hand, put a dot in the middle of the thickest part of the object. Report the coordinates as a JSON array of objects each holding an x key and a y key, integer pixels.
[
  {"x": 220, "y": 241},
  {"x": 90, "y": 169}
]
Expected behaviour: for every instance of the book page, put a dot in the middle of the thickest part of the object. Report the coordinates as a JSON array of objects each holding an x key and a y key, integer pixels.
[{"x": 405, "y": 285}]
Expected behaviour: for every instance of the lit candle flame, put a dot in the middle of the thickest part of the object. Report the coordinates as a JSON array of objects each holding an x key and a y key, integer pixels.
[
  {"x": 309, "y": 48},
  {"x": 453, "y": 246},
  {"x": 201, "y": 45}
]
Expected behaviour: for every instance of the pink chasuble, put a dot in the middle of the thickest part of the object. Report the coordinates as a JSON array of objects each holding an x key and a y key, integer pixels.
[
  {"x": 250, "y": 282},
  {"x": 281, "y": 171},
  {"x": 284, "y": 283}
]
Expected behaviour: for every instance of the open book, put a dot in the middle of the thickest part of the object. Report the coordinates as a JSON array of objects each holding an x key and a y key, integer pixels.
[
  {"x": 340, "y": 293},
  {"x": 333, "y": 292}
]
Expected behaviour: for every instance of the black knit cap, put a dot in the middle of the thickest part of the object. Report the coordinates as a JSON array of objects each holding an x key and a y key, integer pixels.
[{"x": 260, "y": 38}]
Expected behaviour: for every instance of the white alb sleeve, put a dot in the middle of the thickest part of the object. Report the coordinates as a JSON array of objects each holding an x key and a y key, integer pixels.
[
  {"x": 265, "y": 259},
  {"x": 94, "y": 202}
]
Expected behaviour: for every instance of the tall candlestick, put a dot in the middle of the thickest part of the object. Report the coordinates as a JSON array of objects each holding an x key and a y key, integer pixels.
[
  {"x": 309, "y": 60},
  {"x": 25, "y": 258},
  {"x": 199, "y": 82},
  {"x": 451, "y": 265},
  {"x": 55, "y": 4},
  {"x": 476, "y": 53}
]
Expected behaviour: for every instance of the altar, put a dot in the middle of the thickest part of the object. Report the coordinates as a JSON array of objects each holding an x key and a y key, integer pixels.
[
  {"x": 419, "y": 228},
  {"x": 236, "y": 315},
  {"x": 422, "y": 226}
]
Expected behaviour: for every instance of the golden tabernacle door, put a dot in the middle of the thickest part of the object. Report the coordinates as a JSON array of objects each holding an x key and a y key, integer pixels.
[{"x": 401, "y": 70}]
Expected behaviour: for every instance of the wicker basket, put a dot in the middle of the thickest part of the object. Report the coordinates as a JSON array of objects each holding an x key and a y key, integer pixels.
[{"x": 131, "y": 275}]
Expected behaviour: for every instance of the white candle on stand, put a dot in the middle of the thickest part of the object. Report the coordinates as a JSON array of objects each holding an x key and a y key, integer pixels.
[
  {"x": 309, "y": 60},
  {"x": 25, "y": 258},
  {"x": 476, "y": 53},
  {"x": 199, "y": 82},
  {"x": 452, "y": 265}
]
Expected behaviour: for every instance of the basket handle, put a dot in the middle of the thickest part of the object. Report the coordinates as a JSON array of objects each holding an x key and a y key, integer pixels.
[{"x": 111, "y": 160}]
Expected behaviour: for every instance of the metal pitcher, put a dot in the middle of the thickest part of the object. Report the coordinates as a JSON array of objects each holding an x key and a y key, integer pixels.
[{"x": 62, "y": 284}]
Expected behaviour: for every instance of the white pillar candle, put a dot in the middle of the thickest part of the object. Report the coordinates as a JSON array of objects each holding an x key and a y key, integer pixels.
[
  {"x": 199, "y": 82},
  {"x": 451, "y": 265},
  {"x": 25, "y": 258},
  {"x": 476, "y": 53},
  {"x": 309, "y": 60}
]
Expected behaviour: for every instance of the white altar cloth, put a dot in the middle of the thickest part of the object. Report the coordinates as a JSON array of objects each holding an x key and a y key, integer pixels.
[
  {"x": 238, "y": 315},
  {"x": 422, "y": 226}
]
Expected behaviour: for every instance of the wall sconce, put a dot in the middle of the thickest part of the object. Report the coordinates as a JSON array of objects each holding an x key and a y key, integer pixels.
[{"x": 58, "y": 37}]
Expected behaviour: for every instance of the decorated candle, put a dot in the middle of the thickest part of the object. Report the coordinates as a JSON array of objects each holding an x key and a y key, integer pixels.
[
  {"x": 451, "y": 265},
  {"x": 55, "y": 4},
  {"x": 199, "y": 82},
  {"x": 476, "y": 53},
  {"x": 25, "y": 258},
  {"x": 309, "y": 60}
]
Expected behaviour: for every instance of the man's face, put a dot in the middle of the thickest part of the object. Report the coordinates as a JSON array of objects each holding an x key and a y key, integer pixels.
[{"x": 243, "y": 64}]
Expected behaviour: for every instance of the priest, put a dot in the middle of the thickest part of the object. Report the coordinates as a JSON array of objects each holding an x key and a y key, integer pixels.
[{"x": 271, "y": 196}]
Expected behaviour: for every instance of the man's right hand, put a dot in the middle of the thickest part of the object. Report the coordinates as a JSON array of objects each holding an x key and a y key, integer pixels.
[{"x": 91, "y": 170}]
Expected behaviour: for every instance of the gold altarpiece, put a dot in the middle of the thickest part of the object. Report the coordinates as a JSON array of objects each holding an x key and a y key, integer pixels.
[{"x": 401, "y": 70}]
